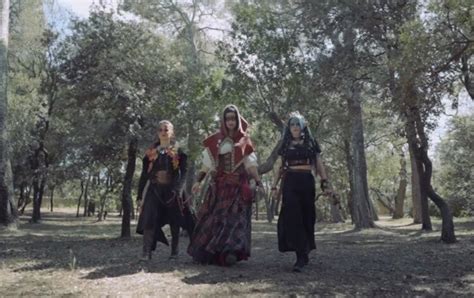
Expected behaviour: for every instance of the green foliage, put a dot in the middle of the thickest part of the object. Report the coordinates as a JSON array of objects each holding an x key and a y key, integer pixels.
[
  {"x": 111, "y": 80},
  {"x": 195, "y": 78},
  {"x": 266, "y": 70},
  {"x": 115, "y": 78},
  {"x": 456, "y": 165},
  {"x": 26, "y": 52}
]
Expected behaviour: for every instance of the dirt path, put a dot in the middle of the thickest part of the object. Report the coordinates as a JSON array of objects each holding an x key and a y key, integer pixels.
[{"x": 68, "y": 256}]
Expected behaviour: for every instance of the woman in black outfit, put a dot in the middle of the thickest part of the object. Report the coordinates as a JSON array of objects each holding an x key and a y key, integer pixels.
[
  {"x": 300, "y": 156},
  {"x": 163, "y": 175}
]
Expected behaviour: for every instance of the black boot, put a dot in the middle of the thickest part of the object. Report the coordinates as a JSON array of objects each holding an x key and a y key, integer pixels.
[
  {"x": 306, "y": 258},
  {"x": 147, "y": 244},
  {"x": 230, "y": 259},
  {"x": 146, "y": 255},
  {"x": 174, "y": 241},
  {"x": 300, "y": 263}
]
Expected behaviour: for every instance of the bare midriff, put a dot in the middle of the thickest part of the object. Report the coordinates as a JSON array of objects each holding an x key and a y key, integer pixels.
[
  {"x": 163, "y": 177},
  {"x": 300, "y": 167}
]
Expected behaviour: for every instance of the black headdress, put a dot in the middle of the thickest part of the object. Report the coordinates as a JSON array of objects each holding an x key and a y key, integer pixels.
[{"x": 308, "y": 141}]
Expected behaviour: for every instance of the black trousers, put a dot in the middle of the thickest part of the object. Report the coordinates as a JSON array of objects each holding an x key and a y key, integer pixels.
[
  {"x": 159, "y": 209},
  {"x": 298, "y": 213}
]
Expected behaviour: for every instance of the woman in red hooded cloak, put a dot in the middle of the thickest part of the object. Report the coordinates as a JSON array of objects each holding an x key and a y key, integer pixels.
[{"x": 223, "y": 227}]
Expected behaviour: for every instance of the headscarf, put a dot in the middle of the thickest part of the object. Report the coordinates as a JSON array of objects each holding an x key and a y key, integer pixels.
[{"x": 306, "y": 135}]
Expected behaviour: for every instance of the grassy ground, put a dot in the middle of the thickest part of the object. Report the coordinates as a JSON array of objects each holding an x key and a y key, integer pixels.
[{"x": 70, "y": 256}]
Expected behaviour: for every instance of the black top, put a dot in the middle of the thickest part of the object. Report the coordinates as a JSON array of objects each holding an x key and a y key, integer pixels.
[
  {"x": 164, "y": 162},
  {"x": 301, "y": 152}
]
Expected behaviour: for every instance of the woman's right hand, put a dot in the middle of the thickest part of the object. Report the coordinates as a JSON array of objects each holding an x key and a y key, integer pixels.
[
  {"x": 140, "y": 206},
  {"x": 274, "y": 193},
  {"x": 196, "y": 188}
]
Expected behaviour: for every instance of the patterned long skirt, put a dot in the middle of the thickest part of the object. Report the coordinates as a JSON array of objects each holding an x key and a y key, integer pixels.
[{"x": 223, "y": 223}]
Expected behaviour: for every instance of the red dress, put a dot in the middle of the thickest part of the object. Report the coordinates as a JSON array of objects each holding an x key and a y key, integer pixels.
[{"x": 224, "y": 219}]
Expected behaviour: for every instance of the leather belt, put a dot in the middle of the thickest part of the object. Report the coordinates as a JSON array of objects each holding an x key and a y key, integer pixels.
[
  {"x": 298, "y": 162},
  {"x": 298, "y": 170}
]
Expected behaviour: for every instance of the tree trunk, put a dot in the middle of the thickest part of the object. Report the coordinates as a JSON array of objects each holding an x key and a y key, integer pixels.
[
  {"x": 100, "y": 213},
  {"x": 42, "y": 188},
  {"x": 8, "y": 208},
  {"x": 39, "y": 167},
  {"x": 363, "y": 208},
  {"x": 256, "y": 206},
  {"x": 27, "y": 200},
  {"x": 466, "y": 70},
  {"x": 412, "y": 143},
  {"x": 447, "y": 229},
  {"x": 190, "y": 176},
  {"x": 347, "y": 151},
  {"x": 127, "y": 188},
  {"x": 269, "y": 206},
  {"x": 51, "y": 197},
  {"x": 80, "y": 197},
  {"x": 86, "y": 196},
  {"x": 419, "y": 142},
  {"x": 386, "y": 204},
  {"x": 267, "y": 166},
  {"x": 21, "y": 199},
  {"x": 336, "y": 215},
  {"x": 36, "y": 201},
  {"x": 103, "y": 198},
  {"x": 101, "y": 206},
  {"x": 402, "y": 187},
  {"x": 415, "y": 189},
  {"x": 372, "y": 208}
]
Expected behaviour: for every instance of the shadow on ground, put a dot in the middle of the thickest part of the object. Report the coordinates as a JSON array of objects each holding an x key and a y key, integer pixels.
[{"x": 392, "y": 260}]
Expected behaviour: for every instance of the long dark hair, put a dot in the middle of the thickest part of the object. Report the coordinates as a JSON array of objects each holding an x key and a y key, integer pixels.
[
  {"x": 231, "y": 109},
  {"x": 308, "y": 141}
]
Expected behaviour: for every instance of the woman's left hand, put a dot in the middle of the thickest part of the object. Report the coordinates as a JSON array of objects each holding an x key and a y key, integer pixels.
[
  {"x": 328, "y": 191},
  {"x": 140, "y": 206},
  {"x": 260, "y": 189},
  {"x": 196, "y": 188}
]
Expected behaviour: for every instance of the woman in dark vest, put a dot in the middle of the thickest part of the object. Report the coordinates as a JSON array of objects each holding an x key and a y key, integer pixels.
[
  {"x": 300, "y": 156},
  {"x": 163, "y": 175}
]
